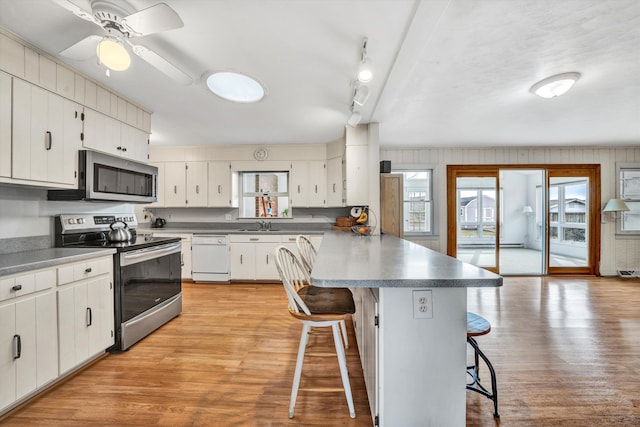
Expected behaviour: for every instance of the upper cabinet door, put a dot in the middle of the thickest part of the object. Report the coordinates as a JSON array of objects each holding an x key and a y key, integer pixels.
[
  {"x": 5, "y": 125},
  {"x": 317, "y": 183},
  {"x": 335, "y": 183},
  {"x": 174, "y": 184},
  {"x": 196, "y": 184},
  {"x": 299, "y": 180},
  {"x": 219, "y": 186}
]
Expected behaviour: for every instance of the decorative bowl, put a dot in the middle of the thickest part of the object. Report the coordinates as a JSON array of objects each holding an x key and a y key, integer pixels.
[{"x": 363, "y": 230}]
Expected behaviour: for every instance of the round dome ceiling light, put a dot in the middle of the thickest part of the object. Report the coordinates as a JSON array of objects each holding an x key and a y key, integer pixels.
[{"x": 235, "y": 87}]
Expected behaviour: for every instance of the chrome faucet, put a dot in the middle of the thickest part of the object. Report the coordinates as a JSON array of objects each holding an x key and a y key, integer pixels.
[{"x": 264, "y": 225}]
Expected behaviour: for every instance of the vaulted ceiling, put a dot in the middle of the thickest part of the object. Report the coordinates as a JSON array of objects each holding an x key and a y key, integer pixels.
[{"x": 447, "y": 73}]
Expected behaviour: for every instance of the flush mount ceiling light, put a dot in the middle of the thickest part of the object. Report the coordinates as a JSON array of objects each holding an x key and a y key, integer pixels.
[
  {"x": 235, "y": 87},
  {"x": 112, "y": 53},
  {"x": 554, "y": 86},
  {"x": 365, "y": 72}
]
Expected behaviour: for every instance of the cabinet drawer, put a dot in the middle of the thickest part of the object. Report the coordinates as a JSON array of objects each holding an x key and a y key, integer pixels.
[
  {"x": 84, "y": 270},
  {"x": 254, "y": 238},
  {"x": 291, "y": 238},
  {"x": 16, "y": 286}
]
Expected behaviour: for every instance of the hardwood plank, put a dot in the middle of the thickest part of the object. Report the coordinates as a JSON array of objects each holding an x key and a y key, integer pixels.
[{"x": 565, "y": 351}]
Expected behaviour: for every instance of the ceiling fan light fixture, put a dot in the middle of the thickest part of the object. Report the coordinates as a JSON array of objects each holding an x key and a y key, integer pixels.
[
  {"x": 555, "y": 86},
  {"x": 112, "y": 53},
  {"x": 235, "y": 87}
]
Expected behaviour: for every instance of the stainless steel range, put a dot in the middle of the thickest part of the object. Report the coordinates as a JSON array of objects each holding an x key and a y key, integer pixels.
[{"x": 147, "y": 279}]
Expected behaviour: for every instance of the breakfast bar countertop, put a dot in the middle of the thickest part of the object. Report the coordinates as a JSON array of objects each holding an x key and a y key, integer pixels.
[{"x": 385, "y": 261}]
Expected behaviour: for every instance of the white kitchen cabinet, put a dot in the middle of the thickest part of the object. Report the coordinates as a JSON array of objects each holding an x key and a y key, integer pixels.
[
  {"x": 243, "y": 260},
  {"x": 5, "y": 125},
  {"x": 11, "y": 56},
  {"x": 308, "y": 183},
  {"x": 46, "y": 133},
  {"x": 365, "y": 322},
  {"x": 185, "y": 184},
  {"x": 219, "y": 184},
  {"x": 103, "y": 133},
  {"x": 28, "y": 334},
  {"x": 85, "y": 311},
  {"x": 357, "y": 171},
  {"x": 335, "y": 182},
  {"x": 185, "y": 254},
  {"x": 252, "y": 256}
]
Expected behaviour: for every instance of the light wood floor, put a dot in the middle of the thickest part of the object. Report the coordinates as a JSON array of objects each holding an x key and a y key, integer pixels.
[{"x": 566, "y": 351}]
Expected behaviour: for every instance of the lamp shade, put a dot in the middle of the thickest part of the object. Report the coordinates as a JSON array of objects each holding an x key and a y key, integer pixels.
[
  {"x": 112, "y": 53},
  {"x": 615, "y": 205}
]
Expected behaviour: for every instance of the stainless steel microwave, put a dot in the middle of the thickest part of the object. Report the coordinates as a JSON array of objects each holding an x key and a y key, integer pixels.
[{"x": 102, "y": 177}]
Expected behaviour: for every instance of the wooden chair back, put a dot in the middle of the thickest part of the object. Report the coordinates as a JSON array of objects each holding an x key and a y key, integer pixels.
[
  {"x": 294, "y": 276},
  {"x": 307, "y": 252}
]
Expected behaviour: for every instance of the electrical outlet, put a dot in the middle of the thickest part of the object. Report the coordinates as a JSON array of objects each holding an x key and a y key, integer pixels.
[
  {"x": 422, "y": 305},
  {"x": 227, "y": 217}
]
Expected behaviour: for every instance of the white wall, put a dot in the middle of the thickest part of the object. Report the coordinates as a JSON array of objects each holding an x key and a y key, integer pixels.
[
  {"x": 26, "y": 212},
  {"x": 615, "y": 252}
]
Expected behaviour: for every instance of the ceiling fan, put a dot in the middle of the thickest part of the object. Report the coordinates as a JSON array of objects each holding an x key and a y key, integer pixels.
[{"x": 121, "y": 26}]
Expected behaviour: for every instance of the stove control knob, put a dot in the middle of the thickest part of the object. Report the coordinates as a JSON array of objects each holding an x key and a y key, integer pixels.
[
  {"x": 80, "y": 220},
  {"x": 71, "y": 221}
]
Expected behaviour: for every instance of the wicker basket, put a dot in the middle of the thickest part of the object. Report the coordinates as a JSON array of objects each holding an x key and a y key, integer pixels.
[{"x": 345, "y": 221}]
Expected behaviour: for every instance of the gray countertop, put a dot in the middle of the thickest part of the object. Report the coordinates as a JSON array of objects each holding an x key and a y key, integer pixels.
[
  {"x": 18, "y": 262},
  {"x": 349, "y": 260},
  {"x": 250, "y": 229}
]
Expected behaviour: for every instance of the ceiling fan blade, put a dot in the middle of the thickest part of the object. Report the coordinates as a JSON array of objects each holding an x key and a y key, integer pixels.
[
  {"x": 152, "y": 20},
  {"x": 84, "y": 49},
  {"x": 87, "y": 15},
  {"x": 161, "y": 64}
]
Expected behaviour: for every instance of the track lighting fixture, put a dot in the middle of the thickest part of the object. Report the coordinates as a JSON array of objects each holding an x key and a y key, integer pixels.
[
  {"x": 361, "y": 95},
  {"x": 365, "y": 72},
  {"x": 355, "y": 116}
]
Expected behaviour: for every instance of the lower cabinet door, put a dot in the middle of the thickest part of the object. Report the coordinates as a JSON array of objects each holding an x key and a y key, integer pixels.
[
  {"x": 243, "y": 261},
  {"x": 266, "y": 261}
]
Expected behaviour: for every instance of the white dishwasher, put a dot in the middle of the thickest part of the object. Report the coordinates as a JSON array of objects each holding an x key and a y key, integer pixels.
[{"x": 210, "y": 258}]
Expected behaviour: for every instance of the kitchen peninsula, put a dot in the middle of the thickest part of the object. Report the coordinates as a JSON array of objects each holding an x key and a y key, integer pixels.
[{"x": 410, "y": 323}]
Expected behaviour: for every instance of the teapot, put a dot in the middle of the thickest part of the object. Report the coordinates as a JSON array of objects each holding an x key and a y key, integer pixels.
[
  {"x": 119, "y": 234},
  {"x": 159, "y": 222}
]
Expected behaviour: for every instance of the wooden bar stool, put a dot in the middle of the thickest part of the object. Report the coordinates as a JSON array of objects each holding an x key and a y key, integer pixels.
[{"x": 476, "y": 326}]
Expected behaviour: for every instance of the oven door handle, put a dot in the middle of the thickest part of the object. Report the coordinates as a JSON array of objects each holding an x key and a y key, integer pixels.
[{"x": 146, "y": 254}]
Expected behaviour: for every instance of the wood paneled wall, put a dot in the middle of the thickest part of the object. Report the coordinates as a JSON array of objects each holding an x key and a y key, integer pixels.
[{"x": 616, "y": 253}]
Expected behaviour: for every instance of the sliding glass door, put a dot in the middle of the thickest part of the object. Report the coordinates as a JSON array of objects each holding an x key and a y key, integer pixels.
[{"x": 518, "y": 220}]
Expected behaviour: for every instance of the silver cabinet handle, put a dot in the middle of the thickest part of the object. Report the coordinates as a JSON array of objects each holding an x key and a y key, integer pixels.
[
  {"x": 16, "y": 288},
  {"x": 88, "y": 270},
  {"x": 219, "y": 189},
  {"x": 197, "y": 189},
  {"x": 48, "y": 141},
  {"x": 119, "y": 148},
  {"x": 267, "y": 259},
  {"x": 316, "y": 188},
  {"x": 17, "y": 346},
  {"x": 240, "y": 258},
  {"x": 175, "y": 189},
  {"x": 298, "y": 188},
  {"x": 89, "y": 316},
  {"x": 124, "y": 148},
  {"x": 254, "y": 239}
]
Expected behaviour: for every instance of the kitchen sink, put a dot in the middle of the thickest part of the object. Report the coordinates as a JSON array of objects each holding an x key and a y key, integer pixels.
[{"x": 258, "y": 231}]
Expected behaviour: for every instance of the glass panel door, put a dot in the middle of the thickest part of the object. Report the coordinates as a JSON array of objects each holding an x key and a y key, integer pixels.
[
  {"x": 569, "y": 221},
  {"x": 477, "y": 221}
]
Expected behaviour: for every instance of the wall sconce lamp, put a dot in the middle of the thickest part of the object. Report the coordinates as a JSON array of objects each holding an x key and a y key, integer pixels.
[
  {"x": 612, "y": 208},
  {"x": 527, "y": 210}
]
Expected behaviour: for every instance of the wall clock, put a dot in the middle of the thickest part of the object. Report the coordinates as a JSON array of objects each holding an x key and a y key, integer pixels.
[{"x": 260, "y": 154}]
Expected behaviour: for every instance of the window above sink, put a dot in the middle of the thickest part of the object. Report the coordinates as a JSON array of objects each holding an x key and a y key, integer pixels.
[{"x": 264, "y": 194}]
